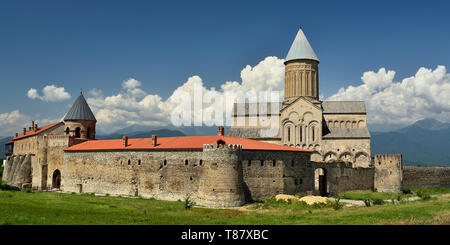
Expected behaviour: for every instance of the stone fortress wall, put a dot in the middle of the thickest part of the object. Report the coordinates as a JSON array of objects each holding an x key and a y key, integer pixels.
[
  {"x": 388, "y": 172},
  {"x": 417, "y": 177}
]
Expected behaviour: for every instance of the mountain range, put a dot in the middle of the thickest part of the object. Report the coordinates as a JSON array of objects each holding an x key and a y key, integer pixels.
[{"x": 425, "y": 142}]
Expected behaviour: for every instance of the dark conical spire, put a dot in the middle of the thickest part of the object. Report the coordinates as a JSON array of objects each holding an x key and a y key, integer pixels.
[{"x": 80, "y": 110}]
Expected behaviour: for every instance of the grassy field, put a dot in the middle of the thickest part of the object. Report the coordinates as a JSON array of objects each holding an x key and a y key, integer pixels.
[
  {"x": 50, "y": 208},
  {"x": 363, "y": 194}
]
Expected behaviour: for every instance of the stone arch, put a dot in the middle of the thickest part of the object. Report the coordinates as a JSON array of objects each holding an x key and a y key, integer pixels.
[
  {"x": 307, "y": 116},
  {"x": 293, "y": 116},
  {"x": 336, "y": 124},
  {"x": 78, "y": 132},
  {"x": 348, "y": 124},
  {"x": 354, "y": 124},
  {"x": 56, "y": 179},
  {"x": 342, "y": 124},
  {"x": 360, "y": 124},
  {"x": 316, "y": 156},
  {"x": 362, "y": 158},
  {"x": 346, "y": 156},
  {"x": 320, "y": 181},
  {"x": 330, "y": 156},
  {"x": 312, "y": 131},
  {"x": 289, "y": 132}
]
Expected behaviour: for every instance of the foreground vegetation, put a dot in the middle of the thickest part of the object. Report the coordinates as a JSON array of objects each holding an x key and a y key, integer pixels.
[
  {"x": 364, "y": 194},
  {"x": 50, "y": 208}
]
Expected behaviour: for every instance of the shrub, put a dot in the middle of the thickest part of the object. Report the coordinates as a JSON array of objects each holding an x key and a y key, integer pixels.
[
  {"x": 188, "y": 202},
  {"x": 407, "y": 191},
  {"x": 4, "y": 186},
  {"x": 378, "y": 201},
  {"x": 337, "y": 204},
  {"x": 423, "y": 194},
  {"x": 368, "y": 202}
]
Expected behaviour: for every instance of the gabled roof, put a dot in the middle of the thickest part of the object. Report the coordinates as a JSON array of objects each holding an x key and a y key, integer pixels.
[
  {"x": 300, "y": 48},
  {"x": 344, "y": 107},
  {"x": 80, "y": 111},
  {"x": 178, "y": 143},
  {"x": 39, "y": 130}
]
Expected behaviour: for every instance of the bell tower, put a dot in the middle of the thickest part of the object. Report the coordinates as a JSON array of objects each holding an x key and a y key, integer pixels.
[
  {"x": 301, "y": 77},
  {"x": 80, "y": 121}
]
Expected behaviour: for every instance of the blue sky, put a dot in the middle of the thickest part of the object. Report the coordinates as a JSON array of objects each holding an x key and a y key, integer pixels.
[{"x": 99, "y": 44}]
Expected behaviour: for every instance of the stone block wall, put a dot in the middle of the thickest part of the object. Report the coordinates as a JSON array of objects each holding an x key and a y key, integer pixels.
[
  {"x": 417, "y": 177},
  {"x": 342, "y": 176},
  {"x": 388, "y": 172},
  {"x": 267, "y": 173}
]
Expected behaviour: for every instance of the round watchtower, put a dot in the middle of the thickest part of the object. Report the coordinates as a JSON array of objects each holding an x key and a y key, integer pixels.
[
  {"x": 80, "y": 121},
  {"x": 221, "y": 177}
]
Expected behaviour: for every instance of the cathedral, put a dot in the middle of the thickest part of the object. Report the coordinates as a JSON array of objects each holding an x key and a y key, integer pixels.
[{"x": 332, "y": 130}]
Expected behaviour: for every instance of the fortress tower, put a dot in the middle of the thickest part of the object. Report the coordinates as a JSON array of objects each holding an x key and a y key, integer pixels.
[
  {"x": 301, "y": 70},
  {"x": 80, "y": 121}
]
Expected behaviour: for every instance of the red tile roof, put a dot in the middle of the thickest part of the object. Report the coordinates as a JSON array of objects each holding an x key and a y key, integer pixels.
[
  {"x": 31, "y": 132},
  {"x": 187, "y": 142}
]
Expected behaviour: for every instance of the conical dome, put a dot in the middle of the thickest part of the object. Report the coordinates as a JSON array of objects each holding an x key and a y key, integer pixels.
[
  {"x": 300, "y": 49},
  {"x": 80, "y": 111}
]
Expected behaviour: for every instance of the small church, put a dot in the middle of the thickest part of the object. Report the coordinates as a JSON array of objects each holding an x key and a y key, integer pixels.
[{"x": 332, "y": 130}]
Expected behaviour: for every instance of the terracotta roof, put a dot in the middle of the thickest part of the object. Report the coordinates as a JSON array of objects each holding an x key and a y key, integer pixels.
[
  {"x": 186, "y": 142},
  {"x": 29, "y": 133}
]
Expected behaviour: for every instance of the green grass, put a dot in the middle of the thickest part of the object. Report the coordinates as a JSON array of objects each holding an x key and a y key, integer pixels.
[
  {"x": 364, "y": 194},
  {"x": 50, "y": 208}
]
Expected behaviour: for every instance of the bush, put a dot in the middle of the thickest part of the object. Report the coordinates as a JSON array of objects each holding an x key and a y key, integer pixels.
[
  {"x": 378, "y": 201},
  {"x": 423, "y": 194},
  {"x": 368, "y": 202},
  {"x": 5, "y": 187},
  {"x": 407, "y": 191},
  {"x": 1, "y": 171},
  {"x": 337, "y": 204},
  {"x": 188, "y": 202}
]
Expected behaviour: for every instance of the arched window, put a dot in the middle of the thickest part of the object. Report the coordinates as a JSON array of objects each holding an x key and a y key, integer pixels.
[
  {"x": 301, "y": 134},
  {"x": 201, "y": 162},
  {"x": 289, "y": 134},
  {"x": 313, "y": 136},
  {"x": 67, "y": 131},
  {"x": 165, "y": 162},
  {"x": 78, "y": 132},
  {"x": 186, "y": 162},
  {"x": 88, "y": 133},
  {"x": 129, "y": 162},
  {"x": 139, "y": 162}
]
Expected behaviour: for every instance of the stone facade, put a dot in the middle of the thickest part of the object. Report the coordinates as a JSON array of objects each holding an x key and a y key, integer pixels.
[
  {"x": 417, "y": 177},
  {"x": 388, "y": 173}
]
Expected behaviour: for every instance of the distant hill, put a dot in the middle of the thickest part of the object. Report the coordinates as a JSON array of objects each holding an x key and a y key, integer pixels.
[
  {"x": 3, "y": 141},
  {"x": 190, "y": 131},
  {"x": 426, "y": 142},
  {"x": 143, "y": 134}
]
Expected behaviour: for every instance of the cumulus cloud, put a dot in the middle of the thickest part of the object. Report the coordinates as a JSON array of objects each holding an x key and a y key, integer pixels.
[
  {"x": 11, "y": 122},
  {"x": 50, "y": 93},
  {"x": 424, "y": 95},
  {"x": 133, "y": 105}
]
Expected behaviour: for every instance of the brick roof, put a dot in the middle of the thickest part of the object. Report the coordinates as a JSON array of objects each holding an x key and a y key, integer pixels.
[
  {"x": 186, "y": 142},
  {"x": 39, "y": 130}
]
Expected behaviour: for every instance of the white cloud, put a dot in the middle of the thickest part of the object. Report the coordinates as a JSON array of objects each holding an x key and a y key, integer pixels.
[
  {"x": 51, "y": 93},
  {"x": 424, "y": 95},
  {"x": 11, "y": 122},
  {"x": 133, "y": 105}
]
